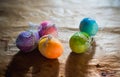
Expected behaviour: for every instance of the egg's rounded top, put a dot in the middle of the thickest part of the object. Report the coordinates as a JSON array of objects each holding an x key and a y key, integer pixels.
[{"x": 89, "y": 26}]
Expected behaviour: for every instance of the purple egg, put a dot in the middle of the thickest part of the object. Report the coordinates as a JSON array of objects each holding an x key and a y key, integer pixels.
[{"x": 26, "y": 41}]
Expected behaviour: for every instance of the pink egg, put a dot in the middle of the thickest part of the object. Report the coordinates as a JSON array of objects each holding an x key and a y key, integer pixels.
[{"x": 47, "y": 27}]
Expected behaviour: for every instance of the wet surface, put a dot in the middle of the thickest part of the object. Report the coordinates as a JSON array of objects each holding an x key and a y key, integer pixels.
[{"x": 102, "y": 60}]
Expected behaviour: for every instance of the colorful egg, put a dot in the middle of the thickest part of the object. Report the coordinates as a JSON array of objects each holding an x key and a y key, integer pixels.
[
  {"x": 26, "y": 41},
  {"x": 79, "y": 42},
  {"x": 46, "y": 27},
  {"x": 89, "y": 26},
  {"x": 50, "y": 47}
]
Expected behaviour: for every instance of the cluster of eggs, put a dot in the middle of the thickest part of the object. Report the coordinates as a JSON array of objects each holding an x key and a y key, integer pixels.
[
  {"x": 81, "y": 41},
  {"x": 49, "y": 46},
  {"x": 44, "y": 37}
]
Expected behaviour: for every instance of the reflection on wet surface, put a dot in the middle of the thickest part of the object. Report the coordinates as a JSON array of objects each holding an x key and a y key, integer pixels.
[{"x": 66, "y": 14}]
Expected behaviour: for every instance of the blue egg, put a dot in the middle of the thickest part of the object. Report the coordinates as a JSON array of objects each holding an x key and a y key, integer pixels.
[{"x": 89, "y": 26}]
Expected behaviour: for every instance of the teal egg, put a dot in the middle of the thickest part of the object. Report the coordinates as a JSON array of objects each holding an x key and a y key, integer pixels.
[{"x": 89, "y": 26}]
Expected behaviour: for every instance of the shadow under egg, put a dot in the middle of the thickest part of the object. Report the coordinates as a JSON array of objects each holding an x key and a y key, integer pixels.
[
  {"x": 32, "y": 63},
  {"x": 77, "y": 64}
]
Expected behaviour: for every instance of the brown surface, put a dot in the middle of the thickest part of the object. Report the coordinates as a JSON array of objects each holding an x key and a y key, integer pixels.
[{"x": 102, "y": 59}]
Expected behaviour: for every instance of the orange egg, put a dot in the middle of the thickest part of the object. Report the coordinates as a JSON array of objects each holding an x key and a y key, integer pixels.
[{"x": 50, "y": 47}]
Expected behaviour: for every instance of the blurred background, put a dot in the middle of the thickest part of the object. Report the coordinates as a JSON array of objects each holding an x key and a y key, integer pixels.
[{"x": 17, "y": 13}]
